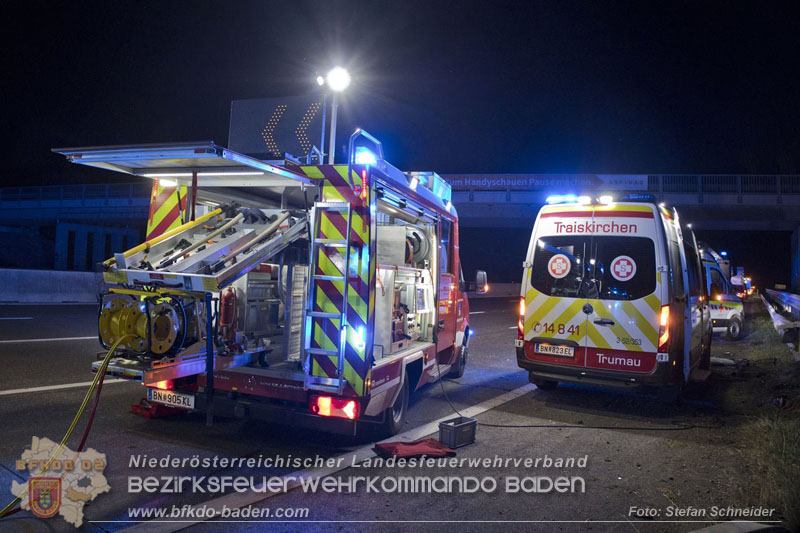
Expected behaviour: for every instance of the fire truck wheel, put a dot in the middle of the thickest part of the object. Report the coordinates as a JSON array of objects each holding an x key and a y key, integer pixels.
[
  {"x": 458, "y": 367},
  {"x": 734, "y": 329},
  {"x": 396, "y": 414}
]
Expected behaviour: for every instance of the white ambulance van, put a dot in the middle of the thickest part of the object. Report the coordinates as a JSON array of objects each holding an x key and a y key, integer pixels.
[
  {"x": 613, "y": 294},
  {"x": 727, "y": 310}
]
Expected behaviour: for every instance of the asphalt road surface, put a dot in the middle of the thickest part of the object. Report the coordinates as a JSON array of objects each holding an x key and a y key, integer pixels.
[{"x": 645, "y": 463}]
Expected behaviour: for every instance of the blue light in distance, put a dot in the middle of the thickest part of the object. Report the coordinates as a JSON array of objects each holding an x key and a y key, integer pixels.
[
  {"x": 364, "y": 156},
  {"x": 724, "y": 254}
]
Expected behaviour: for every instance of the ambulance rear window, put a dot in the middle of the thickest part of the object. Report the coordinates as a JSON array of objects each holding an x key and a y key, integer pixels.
[{"x": 604, "y": 267}]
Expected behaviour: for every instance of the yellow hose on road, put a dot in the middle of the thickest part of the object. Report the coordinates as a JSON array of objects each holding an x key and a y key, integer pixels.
[{"x": 92, "y": 387}]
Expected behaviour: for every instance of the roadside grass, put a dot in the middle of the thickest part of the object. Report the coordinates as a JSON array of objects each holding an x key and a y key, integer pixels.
[
  {"x": 777, "y": 435},
  {"x": 772, "y": 433}
]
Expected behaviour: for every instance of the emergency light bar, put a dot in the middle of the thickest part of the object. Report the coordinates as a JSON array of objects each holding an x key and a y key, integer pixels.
[
  {"x": 639, "y": 197},
  {"x": 562, "y": 199},
  {"x": 573, "y": 199},
  {"x": 434, "y": 183}
]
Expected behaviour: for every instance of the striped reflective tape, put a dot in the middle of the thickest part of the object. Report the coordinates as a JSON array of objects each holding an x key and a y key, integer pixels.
[
  {"x": 166, "y": 212},
  {"x": 634, "y": 327}
]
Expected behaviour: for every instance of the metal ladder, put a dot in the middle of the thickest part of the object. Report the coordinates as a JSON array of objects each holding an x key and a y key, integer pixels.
[{"x": 331, "y": 385}]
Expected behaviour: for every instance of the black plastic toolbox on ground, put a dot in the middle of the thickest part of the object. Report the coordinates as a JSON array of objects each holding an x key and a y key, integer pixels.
[{"x": 458, "y": 431}]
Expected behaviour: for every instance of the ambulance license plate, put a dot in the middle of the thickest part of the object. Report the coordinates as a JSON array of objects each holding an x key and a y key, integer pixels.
[
  {"x": 171, "y": 398},
  {"x": 555, "y": 349}
]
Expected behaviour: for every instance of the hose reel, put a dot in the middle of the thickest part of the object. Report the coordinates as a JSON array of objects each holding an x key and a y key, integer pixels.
[{"x": 155, "y": 326}]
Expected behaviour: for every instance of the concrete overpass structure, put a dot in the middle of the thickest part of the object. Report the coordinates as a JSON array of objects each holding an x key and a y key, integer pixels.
[
  {"x": 78, "y": 225},
  {"x": 70, "y": 227},
  {"x": 718, "y": 202},
  {"x": 710, "y": 201}
]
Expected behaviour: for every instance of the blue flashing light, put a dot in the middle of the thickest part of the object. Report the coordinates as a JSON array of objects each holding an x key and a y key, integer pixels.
[
  {"x": 364, "y": 156},
  {"x": 639, "y": 197},
  {"x": 724, "y": 254},
  {"x": 562, "y": 199}
]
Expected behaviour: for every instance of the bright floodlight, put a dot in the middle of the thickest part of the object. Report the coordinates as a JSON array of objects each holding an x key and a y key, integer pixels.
[
  {"x": 338, "y": 79},
  {"x": 320, "y": 81}
]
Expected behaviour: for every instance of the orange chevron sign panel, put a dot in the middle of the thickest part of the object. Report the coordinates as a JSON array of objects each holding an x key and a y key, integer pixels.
[{"x": 268, "y": 128}]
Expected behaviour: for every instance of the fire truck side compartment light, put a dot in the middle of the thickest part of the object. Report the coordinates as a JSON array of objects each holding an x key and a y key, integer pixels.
[
  {"x": 583, "y": 200},
  {"x": 167, "y": 183},
  {"x": 414, "y": 183},
  {"x": 362, "y": 339},
  {"x": 606, "y": 199}
]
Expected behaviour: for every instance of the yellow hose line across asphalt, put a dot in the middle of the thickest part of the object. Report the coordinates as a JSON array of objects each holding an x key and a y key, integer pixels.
[{"x": 92, "y": 388}]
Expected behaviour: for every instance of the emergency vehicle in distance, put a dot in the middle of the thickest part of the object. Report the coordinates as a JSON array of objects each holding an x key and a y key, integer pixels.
[
  {"x": 613, "y": 294},
  {"x": 727, "y": 311},
  {"x": 312, "y": 295}
]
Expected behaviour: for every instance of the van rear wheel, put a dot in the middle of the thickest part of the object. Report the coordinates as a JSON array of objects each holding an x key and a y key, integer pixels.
[
  {"x": 705, "y": 359},
  {"x": 544, "y": 384},
  {"x": 734, "y": 332},
  {"x": 669, "y": 395}
]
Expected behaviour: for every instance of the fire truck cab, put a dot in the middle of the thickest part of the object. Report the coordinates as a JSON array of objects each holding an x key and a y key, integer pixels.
[{"x": 311, "y": 295}]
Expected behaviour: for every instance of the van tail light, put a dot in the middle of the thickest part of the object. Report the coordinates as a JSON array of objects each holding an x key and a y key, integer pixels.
[
  {"x": 330, "y": 406},
  {"x": 663, "y": 329},
  {"x": 521, "y": 320}
]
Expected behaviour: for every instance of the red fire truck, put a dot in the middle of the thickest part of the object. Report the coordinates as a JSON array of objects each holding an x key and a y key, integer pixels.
[{"x": 310, "y": 295}]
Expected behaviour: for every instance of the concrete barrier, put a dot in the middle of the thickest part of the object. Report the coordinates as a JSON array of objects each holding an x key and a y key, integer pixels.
[
  {"x": 56, "y": 286},
  {"x": 499, "y": 290},
  {"x": 49, "y": 286}
]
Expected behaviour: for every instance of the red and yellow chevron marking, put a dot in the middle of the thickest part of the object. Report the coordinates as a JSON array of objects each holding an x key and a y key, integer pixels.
[
  {"x": 360, "y": 273},
  {"x": 165, "y": 213}
]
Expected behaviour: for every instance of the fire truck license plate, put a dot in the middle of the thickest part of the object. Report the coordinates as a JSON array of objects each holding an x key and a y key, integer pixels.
[
  {"x": 171, "y": 398},
  {"x": 555, "y": 349}
]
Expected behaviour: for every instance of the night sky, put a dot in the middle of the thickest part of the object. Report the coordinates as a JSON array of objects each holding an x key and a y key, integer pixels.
[{"x": 456, "y": 87}]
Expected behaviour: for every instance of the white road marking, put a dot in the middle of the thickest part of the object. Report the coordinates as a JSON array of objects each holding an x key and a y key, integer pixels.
[
  {"x": 50, "y": 340},
  {"x": 238, "y": 500},
  {"x": 476, "y": 312},
  {"x": 58, "y": 387},
  {"x": 16, "y": 318}
]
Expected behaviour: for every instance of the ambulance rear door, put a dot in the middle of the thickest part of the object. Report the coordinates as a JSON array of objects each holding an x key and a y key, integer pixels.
[
  {"x": 555, "y": 284},
  {"x": 624, "y": 303}
]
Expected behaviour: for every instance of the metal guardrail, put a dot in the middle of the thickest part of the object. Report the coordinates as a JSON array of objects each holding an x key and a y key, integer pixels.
[
  {"x": 724, "y": 183},
  {"x": 788, "y": 302}
]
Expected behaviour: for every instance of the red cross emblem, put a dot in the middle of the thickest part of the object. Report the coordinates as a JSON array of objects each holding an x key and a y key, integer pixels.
[
  {"x": 558, "y": 266},
  {"x": 623, "y": 268}
]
